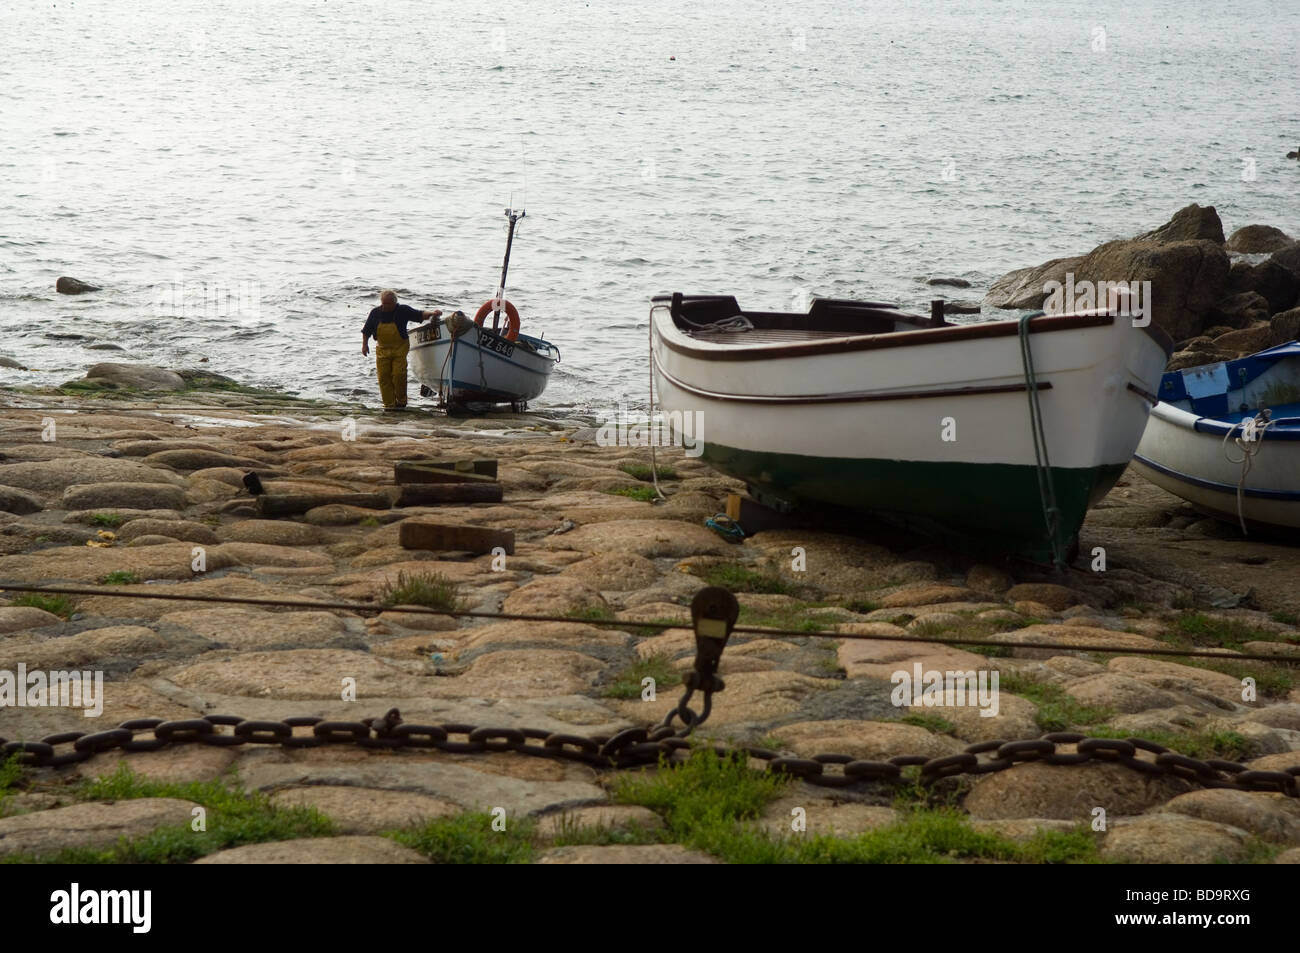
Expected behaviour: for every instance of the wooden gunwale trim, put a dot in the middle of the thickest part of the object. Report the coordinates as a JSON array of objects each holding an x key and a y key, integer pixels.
[
  {"x": 871, "y": 342},
  {"x": 853, "y": 397}
]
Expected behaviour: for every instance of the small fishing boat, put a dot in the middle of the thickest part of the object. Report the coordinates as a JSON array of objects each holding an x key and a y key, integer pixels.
[
  {"x": 1226, "y": 438},
  {"x": 993, "y": 437},
  {"x": 462, "y": 361}
]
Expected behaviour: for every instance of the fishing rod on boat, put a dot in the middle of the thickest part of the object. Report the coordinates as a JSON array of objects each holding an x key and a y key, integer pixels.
[{"x": 514, "y": 218}]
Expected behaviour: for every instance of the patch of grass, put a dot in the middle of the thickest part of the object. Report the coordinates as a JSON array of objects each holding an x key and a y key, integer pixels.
[
  {"x": 111, "y": 520},
  {"x": 573, "y": 835},
  {"x": 642, "y": 494},
  {"x": 469, "y": 839},
  {"x": 1228, "y": 745},
  {"x": 829, "y": 664},
  {"x": 591, "y": 613},
  {"x": 931, "y": 723},
  {"x": 702, "y": 798},
  {"x": 627, "y": 683},
  {"x": 370, "y": 522},
  {"x": 738, "y": 578},
  {"x": 940, "y": 836},
  {"x": 971, "y": 628},
  {"x": 861, "y": 606},
  {"x": 1272, "y": 679},
  {"x": 794, "y": 616},
  {"x": 212, "y": 519},
  {"x": 1057, "y": 710},
  {"x": 41, "y": 539},
  {"x": 234, "y": 817},
  {"x": 1286, "y": 618},
  {"x": 120, "y": 577},
  {"x": 709, "y": 801},
  {"x": 59, "y": 605},
  {"x": 772, "y": 743},
  {"x": 641, "y": 471},
  {"x": 1203, "y": 630},
  {"x": 430, "y": 589},
  {"x": 1257, "y": 852},
  {"x": 989, "y": 651},
  {"x": 12, "y": 773}
]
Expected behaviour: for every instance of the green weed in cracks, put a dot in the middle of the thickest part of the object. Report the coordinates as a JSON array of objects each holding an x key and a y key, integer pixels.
[
  {"x": 60, "y": 606},
  {"x": 234, "y": 817},
  {"x": 627, "y": 683},
  {"x": 1057, "y": 710},
  {"x": 738, "y": 578},
  {"x": 642, "y": 494},
  {"x": 931, "y": 723},
  {"x": 430, "y": 589},
  {"x": 591, "y": 613},
  {"x": 469, "y": 839}
]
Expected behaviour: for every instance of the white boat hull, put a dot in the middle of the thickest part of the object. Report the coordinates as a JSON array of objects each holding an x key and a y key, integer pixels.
[
  {"x": 937, "y": 433},
  {"x": 1193, "y": 465},
  {"x": 478, "y": 365}
]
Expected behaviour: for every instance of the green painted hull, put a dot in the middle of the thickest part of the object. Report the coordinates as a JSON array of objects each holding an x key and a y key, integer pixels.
[{"x": 980, "y": 508}]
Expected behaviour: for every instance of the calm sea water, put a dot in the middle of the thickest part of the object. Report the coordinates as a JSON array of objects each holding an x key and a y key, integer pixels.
[{"x": 285, "y": 159}]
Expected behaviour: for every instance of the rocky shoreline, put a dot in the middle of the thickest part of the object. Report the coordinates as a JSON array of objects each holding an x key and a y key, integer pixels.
[
  {"x": 1218, "y": 299},
  {"x": 125, "y": 494}
]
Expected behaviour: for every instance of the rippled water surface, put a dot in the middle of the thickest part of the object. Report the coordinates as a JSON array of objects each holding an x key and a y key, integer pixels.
[{"x": 290, "y": 158}]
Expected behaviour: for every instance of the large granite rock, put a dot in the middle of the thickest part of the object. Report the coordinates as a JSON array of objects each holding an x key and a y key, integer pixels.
[
  {"x": 1183, "y": 259},
  {"x": 1023, "y": 288},
  {"x": 1192, "y": 223},
  {"x": 1187, "y": 278},
  {"x": 1257, "y": 239},
  {"x": 73, "y": 286},
  {"x": 92, "y": 824},
  {"x": 140, "y": 376},
  {"x": 1270, "y": 279}
]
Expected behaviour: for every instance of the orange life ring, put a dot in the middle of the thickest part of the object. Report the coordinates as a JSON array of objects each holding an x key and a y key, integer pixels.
[{"x": 512, "y": 316}]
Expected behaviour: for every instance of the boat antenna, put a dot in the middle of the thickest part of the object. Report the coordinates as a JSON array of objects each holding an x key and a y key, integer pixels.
[{"x": 500, "y": 300}]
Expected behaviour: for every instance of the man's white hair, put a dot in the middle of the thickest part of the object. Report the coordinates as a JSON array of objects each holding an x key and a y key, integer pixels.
[{"x": 387, "y": 293}]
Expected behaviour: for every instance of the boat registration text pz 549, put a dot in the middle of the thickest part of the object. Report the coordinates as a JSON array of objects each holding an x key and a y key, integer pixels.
[
  {"x": 428, "y": 333},
  {"x": 494, "y": 343}
]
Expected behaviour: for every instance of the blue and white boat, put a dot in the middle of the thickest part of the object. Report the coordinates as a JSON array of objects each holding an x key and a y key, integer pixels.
[
  {"x": 466, "y": 361},
  {"x": 1226, "y": 438},
  {"x": 462, "y": 362}
]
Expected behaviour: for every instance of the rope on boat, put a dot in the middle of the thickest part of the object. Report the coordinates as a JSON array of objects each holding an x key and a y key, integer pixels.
[
  {"x": 1043, "y": 466},
  {"x": 1252, "y": 434},
  {"x": 737, "y": 323}
]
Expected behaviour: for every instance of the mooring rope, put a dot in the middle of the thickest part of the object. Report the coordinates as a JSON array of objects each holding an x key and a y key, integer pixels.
[
  {"x": 1042, "y": 465},
  {"x": 115, "y": 591},
  {"x": 1254, "y": 434}
]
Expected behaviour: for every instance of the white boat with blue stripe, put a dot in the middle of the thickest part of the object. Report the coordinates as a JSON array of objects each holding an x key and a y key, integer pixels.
[
  {"x": 462, "y": 362},
  {"x": 1226, "y": 438}
]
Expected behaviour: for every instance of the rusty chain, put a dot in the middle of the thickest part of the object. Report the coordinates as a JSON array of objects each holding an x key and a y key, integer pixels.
[
  {"x": 713, "y": 613},
  {"x": 638, "y": 747}
]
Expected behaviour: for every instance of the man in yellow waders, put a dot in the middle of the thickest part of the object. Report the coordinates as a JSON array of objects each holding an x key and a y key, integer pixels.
[{"x": 387, "y": 325}]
